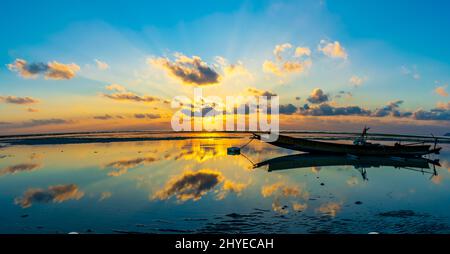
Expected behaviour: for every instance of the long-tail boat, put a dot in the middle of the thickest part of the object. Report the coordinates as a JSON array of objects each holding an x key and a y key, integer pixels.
[{"x": 360, "y": 147}]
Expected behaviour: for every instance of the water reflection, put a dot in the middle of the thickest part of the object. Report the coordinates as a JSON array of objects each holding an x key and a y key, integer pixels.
[
  {"x": 193, "y": 186},
  {"x": 23, "y": 167},
  {"x": 56, "y": 194},
  {"x": 316, "y": 161},
  {"x": 121, "y": 166}
]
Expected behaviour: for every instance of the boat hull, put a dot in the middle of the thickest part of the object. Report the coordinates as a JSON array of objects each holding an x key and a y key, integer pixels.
[{"x": 312, "y": 146}]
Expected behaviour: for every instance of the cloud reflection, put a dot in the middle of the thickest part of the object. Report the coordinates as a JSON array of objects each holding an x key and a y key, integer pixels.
[
  {"x": 331, "y": 208},
  {"x": 190, "y": 185},
  {"x": 55, "y": 194},
  {"x": 281, "y": 191},
  {"x": 23, "y": 167},
  {"x": 122, "y": 166},
  {"x": 193, "y": 185}
]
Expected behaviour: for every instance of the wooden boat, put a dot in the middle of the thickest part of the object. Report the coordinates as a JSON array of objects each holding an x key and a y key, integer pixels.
[{"x": 360, "y": 147}]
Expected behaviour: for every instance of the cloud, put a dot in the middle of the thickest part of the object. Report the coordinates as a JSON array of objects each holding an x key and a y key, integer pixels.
[
  {"x": 271, "y": 67},
  {"x": 24, "y": 167},
  {"x": 302, "y": 51},
  {"x": 40, "y": 122},
  {"x": 129, "y": 96},
  {"x": 191, "y": 185},
  {"x": 27, "y": 70},
  {"x": 149, "y": 116},
  {"x": 188, "y": 70},
  {"x": 332, "y": 49},
  {"x": 55, "y": 194},
  {"x": 258, "y": 92},
  {"x": 122, "y": 166},
  {"x": 317, "y": 96},
  {"x": 293, "y": 66},
  {"x": 33, "y": 110},
  {"x": 203, "y": 108},
  {"x": 18, "y": 100},
  {"x": 286, "y": 67},
  {"x": 104, "y": 117},
  {"x": 279, "y": 49},
  {"x": 441, "y": 90},
  {"x": 123, "y": 95},
  {"x": 116, "y": 88},
  {"x": 391, "y": 109},
  {"x": 61, "y": 71},
  {"x": 288, "y": 109},
  {"x": 438, "y": 114},
  {"x": 51, "y": 70},
  {"x": 282, "y": 66},
  {"x": 328, "y": 110},
  {"x": 101, "y": 65},
  {"x": 412, "y": 72},
  {"x": 231, "y": 70},
  {"x": 206, "y": 111},
  {"x": 343, "y": 93},
  {"x": 356, "y": 81}
]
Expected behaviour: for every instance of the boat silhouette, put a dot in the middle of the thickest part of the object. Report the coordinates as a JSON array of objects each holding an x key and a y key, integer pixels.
[
  {"x": 361, "y": 163},
  {"x": 360, "y": 147}
]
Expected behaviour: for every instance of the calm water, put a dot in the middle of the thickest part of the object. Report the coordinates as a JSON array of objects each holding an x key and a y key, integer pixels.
[{"x": 193, "y": 186}]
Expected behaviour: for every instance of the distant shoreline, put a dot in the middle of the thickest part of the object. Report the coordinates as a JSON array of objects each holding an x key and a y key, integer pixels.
[
  {"x": 212, "y": 132},
  {"x": 138, "y": 136}
]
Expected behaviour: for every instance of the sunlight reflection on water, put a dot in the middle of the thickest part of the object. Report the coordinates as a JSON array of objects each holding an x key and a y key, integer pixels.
[{"x": 192, "y": 186}]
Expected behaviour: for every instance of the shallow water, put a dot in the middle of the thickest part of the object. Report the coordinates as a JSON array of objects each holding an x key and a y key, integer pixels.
[{"x": 191, "y": 185}]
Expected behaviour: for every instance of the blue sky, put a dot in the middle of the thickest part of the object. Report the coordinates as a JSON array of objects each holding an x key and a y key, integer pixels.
[
  {"x": 386, "y": 52},
  {"x": 412, "y": 25}
]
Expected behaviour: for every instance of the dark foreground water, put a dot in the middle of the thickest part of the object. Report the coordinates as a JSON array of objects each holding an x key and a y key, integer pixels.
[{"x": 191, "y": 185}]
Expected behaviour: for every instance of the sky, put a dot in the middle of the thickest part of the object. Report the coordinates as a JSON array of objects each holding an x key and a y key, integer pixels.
[{"x": 69, "y": 66}]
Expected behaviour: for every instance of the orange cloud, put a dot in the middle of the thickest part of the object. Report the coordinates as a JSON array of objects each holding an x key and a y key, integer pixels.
[
  {"x": 188, "y": 70},
  {"x": 18, "y": 100},
  {"x": 441, "y": 90},
  {"x": 128, "y": 96},
  {"x": 282, "y": 66},
  {"x": 101, "y": 65},
  {"x": 51, "y": 70},
  {"x": 332, "y": 49},
  {"x": 116, "y": 87}
]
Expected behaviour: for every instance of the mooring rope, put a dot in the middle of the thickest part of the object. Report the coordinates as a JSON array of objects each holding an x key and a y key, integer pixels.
[
  {"x": 253, "y": 164},
  {"x": 251, "y": 139}
]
